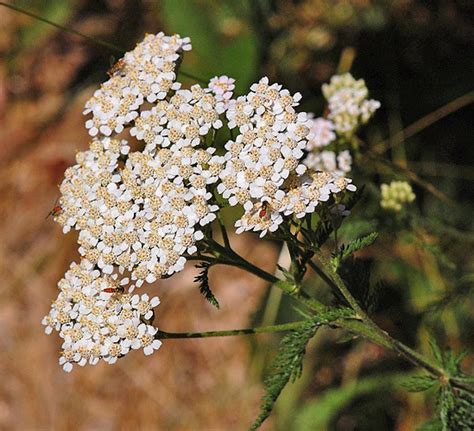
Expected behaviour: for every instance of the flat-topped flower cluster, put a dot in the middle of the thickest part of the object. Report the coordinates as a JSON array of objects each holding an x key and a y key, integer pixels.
[{"x": 141, "y": 213}]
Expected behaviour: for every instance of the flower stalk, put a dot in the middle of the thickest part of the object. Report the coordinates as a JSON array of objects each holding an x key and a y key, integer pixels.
[{"x": 231, "y": 332}]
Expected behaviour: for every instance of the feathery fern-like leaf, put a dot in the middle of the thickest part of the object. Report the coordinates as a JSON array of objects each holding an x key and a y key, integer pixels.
[
  {"x": 203, "y": 279},
  {"x": 355, "y": 245},
  {"x": 288, "y": 363},
  {"x": 419, "y": 383}
]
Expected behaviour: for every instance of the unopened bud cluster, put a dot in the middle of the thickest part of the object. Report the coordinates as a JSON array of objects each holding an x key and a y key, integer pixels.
[{"x": 395, "y": 195}]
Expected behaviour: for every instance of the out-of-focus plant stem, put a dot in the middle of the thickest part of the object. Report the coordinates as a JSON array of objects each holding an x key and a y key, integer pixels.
[
  {"x": 382, "y": 337},
  {"x": 424, "y": 122},
  {"x": 91, "y": 39}
]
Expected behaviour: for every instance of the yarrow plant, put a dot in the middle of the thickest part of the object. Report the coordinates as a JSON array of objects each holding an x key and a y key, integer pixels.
[
  {"x": 142, "y": 214},
  {"x": 145, "y": 194}
]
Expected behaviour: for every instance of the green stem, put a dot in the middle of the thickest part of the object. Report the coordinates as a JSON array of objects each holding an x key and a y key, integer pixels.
[
  {"x": 231, "y": 332},
  {"x": 225, "y": 236},
  {"x": 381, "y": 336},
  {"x": 94, "y": 40},
  {"x": 234, "y": 259},
  {"x": 360, "y": 324}
]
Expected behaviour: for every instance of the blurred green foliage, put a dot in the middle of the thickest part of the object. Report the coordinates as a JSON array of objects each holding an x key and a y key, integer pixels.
[{"x": 213, "y": 53}]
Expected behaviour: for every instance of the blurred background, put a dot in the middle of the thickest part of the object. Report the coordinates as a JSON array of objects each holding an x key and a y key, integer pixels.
[{"x": 417, "y": 59}]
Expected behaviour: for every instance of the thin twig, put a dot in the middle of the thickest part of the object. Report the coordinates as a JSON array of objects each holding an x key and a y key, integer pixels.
[
  {"x": 424, "y": 122},
  {"x": 97, "y": 41},
  {"x": 94, "y": 40},
  {"x": 412, "y": 176}
]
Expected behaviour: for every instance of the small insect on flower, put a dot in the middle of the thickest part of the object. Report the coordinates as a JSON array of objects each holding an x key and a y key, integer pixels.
[
  {"x": 57, "y": 209},
  {"x": 263, "y": 211},
  {"x": 116, "y": 68},
  {"x": 116, "y": 292},
  {"x": 116, "y": 289}
]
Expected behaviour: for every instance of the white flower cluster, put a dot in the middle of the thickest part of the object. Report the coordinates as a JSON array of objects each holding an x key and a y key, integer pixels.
[
  {"x": 395, "y": 195},
  {"x": 263, "y": 166},
  {"x": 139, "y": 214},
  {"x": 300, "y": 196},
  {"x": 348, "y": 109},
  {"x": 182, "y": 121},
  {"x": 146, "y": 73},
  {"x": 321, "y": 133},
  {"x": 97, "y": 320},
  {"x": 223, "y": 87},
  {"x": 338, "y": 164},
  {"x": 348, "y": 103}
]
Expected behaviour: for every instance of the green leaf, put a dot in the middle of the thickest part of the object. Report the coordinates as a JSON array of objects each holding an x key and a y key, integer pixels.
[
  {"x": 446, "y": 404},
  {"x": 318, "y": 413},
  {"x": 288, "y": 363},
  {"x": 448, "y": 360},
  {"x": 203, "y": 279},
  {"x": 432, "y": 425},
  {"x": 455, "y": 409},
  {"x": 436, "y": 351},
  {"x": 355, "y": 245},
  {"x": 419, "y": 383},
  {"x": 461, "y": 415}
]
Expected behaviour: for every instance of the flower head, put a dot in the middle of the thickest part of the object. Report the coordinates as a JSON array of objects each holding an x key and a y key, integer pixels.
[
  {"x": 97, "y": 319},
  {"x": 348, "y": 103},
  {"x": 147, "y": 73}
]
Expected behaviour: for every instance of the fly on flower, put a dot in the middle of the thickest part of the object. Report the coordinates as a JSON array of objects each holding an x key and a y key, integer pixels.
[
  {"x": 57, "y": 209},
  {"x": 117, "y": 289},
  {"x": 116, "y": 68}
]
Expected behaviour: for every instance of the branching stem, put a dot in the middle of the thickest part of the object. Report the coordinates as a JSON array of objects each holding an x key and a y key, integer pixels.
[
  {"x": 383, "y": 337},
  {"x": 225, "y": 236}
]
